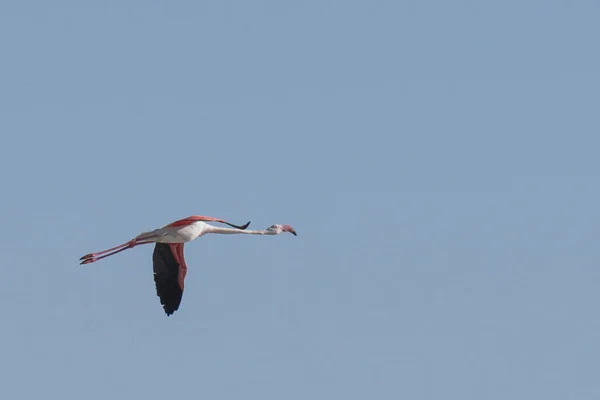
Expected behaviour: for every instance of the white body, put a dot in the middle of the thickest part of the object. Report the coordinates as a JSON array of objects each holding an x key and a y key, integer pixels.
[{"x": 177, "y": 234}]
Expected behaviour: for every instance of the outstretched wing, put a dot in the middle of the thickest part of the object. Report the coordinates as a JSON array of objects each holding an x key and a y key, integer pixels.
[{"x": 169, "y": 274}]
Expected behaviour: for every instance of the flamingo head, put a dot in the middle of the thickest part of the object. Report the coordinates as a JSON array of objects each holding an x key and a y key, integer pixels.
[{"x": 278, "y": 228}]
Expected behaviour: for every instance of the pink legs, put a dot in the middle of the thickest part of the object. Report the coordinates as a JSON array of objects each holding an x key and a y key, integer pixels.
[{"x": 92, "y": 257}]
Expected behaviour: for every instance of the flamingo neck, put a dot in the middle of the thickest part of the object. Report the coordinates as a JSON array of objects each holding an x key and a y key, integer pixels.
[{"x": 232, "y": 231}]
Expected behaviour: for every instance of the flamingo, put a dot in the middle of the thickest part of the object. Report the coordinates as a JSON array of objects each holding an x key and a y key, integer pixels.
[{"x": 168, "y": 262}]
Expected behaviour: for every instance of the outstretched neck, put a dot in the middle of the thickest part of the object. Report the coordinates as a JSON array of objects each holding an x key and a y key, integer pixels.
[{"x": 231, "y": 231}]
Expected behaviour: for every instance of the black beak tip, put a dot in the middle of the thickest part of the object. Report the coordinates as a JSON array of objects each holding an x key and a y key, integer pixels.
[{"x": 294, "y": 233}]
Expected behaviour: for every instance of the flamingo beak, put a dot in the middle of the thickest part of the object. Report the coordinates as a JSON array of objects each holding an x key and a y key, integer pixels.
[{"x": 287, "y": 228}]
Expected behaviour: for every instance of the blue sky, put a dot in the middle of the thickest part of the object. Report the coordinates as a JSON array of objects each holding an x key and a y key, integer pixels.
[{"x": 438, "y": 160}]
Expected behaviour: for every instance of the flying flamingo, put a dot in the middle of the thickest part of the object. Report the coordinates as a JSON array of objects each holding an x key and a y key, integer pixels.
[{"x": 169, "y": 264}]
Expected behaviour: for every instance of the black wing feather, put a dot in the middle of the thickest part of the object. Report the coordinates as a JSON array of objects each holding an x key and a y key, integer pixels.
[{"x": 166, "y": 278}]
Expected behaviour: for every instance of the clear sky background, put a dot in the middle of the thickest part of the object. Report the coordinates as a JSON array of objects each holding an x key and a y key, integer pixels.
[{"x": 438, "y": 159}]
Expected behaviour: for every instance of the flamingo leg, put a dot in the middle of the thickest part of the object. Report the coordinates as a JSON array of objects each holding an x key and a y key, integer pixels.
[
  {"x": 145, "y": 236},
  {"x": 93, "y": 257}
]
